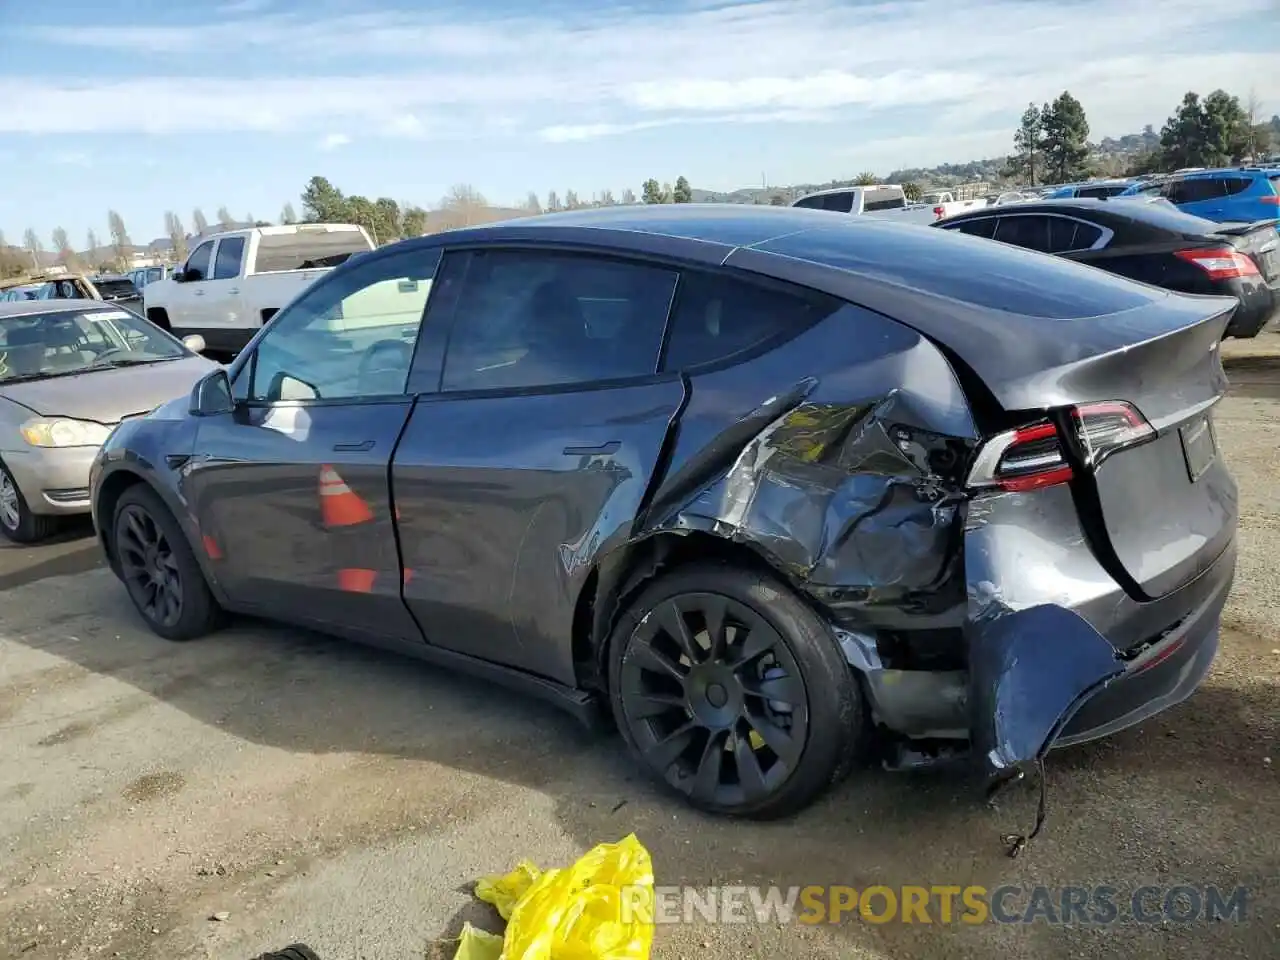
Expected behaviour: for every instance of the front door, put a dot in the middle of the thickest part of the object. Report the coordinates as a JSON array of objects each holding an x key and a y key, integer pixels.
[
  {"x": 186, "y": 298},
  {"x": 291, "y": 489},
  {"x": 536, "y": 453},
  {"x": 220, "y": 305}
]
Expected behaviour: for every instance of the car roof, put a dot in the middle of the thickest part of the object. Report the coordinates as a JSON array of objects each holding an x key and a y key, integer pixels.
[{"x": 22, "y": 308}]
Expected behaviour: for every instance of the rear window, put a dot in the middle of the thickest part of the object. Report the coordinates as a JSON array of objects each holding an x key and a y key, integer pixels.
[
  {"x": 885, "y": 198},
  {"x": 307, "y": 250},
  {"x": 993, "y": 276},
  {"x": 834, "y": 202}
]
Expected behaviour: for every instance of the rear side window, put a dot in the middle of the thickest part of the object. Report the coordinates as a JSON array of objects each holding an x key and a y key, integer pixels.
[
  {"x": 992, "y": 276},
  {"x": 1067, "y": 235},
  {"x": 226, "y": 264},
  {"x": 1100, "y": 192},
  {"x": 529, "y": 319},
  {"x": 984, "y": 227},
  {"x": 717, "y": 317},
  {"x": 1234, "y": 185},
  {"x": 835, "y": 202},
  {"x": 1193, "y": 191}
]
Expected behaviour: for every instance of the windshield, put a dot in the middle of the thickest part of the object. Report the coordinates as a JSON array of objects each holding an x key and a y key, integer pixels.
[{"x": 38, "y": 345}]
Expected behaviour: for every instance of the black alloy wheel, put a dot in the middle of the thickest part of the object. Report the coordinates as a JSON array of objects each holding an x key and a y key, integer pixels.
[
  {"x": 148, "y": 566},
  {"x": 712, "y": 689},
  {"x": 159, "y": 569}
]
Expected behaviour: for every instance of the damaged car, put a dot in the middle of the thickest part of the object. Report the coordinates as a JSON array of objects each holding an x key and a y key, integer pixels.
[{"x": 771, "y": 489}]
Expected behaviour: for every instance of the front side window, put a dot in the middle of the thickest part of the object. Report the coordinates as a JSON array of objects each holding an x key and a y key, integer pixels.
[
  {"x": 352, "y": 335},
  {"x": 227, "y": 263},
  {"x": 198, "y": 262},
  {"x": 526, "y": 319},
  {"x": 41, "y": 345},
  {"x": 717, "y": 317}
]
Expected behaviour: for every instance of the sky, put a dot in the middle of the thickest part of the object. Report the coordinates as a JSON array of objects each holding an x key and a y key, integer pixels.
[{"x": 144, "y": 106}]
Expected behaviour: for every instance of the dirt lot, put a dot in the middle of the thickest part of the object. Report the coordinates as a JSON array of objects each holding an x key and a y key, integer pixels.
[{"x": 319, "y": 792}]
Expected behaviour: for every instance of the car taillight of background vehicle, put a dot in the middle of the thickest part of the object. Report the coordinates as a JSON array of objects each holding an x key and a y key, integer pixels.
[
  {"x": 1032, "y": 456},
  {"x": 938, "y": 212},
  {"x": 1220, "y": 263}
]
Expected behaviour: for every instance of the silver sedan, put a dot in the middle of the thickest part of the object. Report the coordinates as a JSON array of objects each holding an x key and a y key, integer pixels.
[{"x": 70, "y": 370}]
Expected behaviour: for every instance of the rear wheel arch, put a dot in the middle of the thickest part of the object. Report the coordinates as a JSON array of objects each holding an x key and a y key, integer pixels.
[{"x": 617, "y": 580}]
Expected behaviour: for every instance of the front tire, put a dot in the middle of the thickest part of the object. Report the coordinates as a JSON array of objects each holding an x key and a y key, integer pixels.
[
  {"x": 159, "y": 569},
  {"x": 17, "y": 522},
  {"x": 733, "y": 692}
]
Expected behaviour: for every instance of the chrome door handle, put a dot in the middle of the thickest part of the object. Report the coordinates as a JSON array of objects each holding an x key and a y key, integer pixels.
[
  {"x": 198, "y": 293},
  {"x": 233, "y": 291}
]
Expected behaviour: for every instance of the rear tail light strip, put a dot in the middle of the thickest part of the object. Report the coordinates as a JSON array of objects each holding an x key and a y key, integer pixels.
[
  {"x": 1220, "y": 263},
  {"x": 1033, "y": 456}
]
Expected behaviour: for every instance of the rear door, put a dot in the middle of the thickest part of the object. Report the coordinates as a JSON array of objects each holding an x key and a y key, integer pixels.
[
  {"x": 291, "y": 489},
  {"x": 537, "y": 451},
  {"x": 1198, "y": 196}
]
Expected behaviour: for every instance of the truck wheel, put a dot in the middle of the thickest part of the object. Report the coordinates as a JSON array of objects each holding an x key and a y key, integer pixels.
[{"x": 160, "y": 317}]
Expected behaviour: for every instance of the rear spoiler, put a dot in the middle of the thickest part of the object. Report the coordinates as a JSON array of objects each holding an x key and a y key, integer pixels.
[{"x": 1243, "y": 229}]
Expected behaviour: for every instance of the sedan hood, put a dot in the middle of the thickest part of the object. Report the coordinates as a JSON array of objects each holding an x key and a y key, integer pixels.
[{"x": 109, "y": 395}]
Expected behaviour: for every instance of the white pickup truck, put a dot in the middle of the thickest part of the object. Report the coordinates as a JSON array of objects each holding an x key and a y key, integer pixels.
[
  {"x": 888, "y": 201},
  {"x": 234, "y": 282}
]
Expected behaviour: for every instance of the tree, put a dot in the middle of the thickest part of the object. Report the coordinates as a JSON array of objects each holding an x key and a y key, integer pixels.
[
  {"x": 413, "y": 222},
  {"x": 198, "y": 222},
  {"x": 1027, "y": 141},
  {"x": 287, "y": 214},
  {"x": 177, "y": 235},
  {"x": 866, "y": 179},
  {"x": 553, "y": 202},
  {"x": 683, "y": 193},
  {"x": 1205, "y": 133},
  {"x": 66, "y": 256},
  {"x": 12, "y": 263},
  {"x": 571, "y": 201},
  {"x": 31, "y": 241},
  {"x": 628, "y": 196},
  {"x": 667, "y": 193},
  {"x": 120, "y": 242},
  {"x": 1258, "y": 135},
  {"x": 387, "y": 219},
  {"x": 225, "y": 220},
  {"x": 322, "y": 202},
  {"x": 532, "y": 203},
  {"x": 912, "y": 191},
  {"x": 1064, "y": 139},
  {"x": 91, "y": 247},
  {"x": 462, "y": 205}
]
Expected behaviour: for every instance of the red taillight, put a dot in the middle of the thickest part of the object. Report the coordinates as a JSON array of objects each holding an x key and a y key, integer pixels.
[
  {"x": 1031, "y": 457},
  {"x": 939, "y": 211},
  {"x": 1220, "y": 263},
  {"x": 1273, "y": 199}
]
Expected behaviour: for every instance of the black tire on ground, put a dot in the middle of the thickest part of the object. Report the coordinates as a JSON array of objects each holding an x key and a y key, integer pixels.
[
  {"x": 17, "y": 522},
  {"x": 149, "y": 546},
  {"x": 757, "y": 724},
  {"x": 295, "y": 951}
]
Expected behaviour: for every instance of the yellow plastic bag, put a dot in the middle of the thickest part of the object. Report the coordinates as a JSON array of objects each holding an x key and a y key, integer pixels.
[
  {"x": 600, "y": 908},
  {"x": 475, "y": 944}
]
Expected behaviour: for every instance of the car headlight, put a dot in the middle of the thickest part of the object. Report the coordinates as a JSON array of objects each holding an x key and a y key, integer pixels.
[{"x": 61, "y": 432}]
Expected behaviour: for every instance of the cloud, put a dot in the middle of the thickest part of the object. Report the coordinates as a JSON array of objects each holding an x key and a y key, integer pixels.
[
  {"x": 445, "y": 74},
  {"x": 333, "y": 141},
  {"x": 72, "y": 158}
]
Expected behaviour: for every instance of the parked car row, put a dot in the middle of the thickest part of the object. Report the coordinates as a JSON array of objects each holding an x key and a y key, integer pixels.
[{"x": 766, "y": 485}]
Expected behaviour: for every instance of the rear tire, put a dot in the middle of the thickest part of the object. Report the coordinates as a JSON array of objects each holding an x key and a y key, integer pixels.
[
  {"x": 755, "y": 718},
  {"x": 159, "y": 569},
  {"x": 295, "y": 951},
  {"x": 17, "y": 522}
]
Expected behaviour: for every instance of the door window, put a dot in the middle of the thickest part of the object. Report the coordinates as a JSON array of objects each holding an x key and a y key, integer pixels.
[
  {"x": 1031, "y": 232},
  {"x": 226, "y": 265},
  {"x": 198, "y": 262},
  {"x": 717, "y": 317},
  {"x": 351, "y": 335},
  {"x": 981, "y": 227},
  {"x": 1067, "y": 235},
  {"x": 1233, "y": 185},
  {"x": 1193, "y": 191},
  {"x": 526, "y": 319}
]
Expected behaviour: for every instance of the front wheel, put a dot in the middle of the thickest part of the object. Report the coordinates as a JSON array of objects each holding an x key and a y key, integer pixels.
[
  {"x": 17, "y": 522},
  {"x": 733, "y": 692},
  {"x": 159, "y": 570}
]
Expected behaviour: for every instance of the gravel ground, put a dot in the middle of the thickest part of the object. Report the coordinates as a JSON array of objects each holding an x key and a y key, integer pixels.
[{"x": 303, "y": 789}]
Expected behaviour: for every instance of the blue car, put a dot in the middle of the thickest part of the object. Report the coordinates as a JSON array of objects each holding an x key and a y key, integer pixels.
[
  {"x": 1094, "y": 189},
  {"x": 1238, "y": 194}
]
